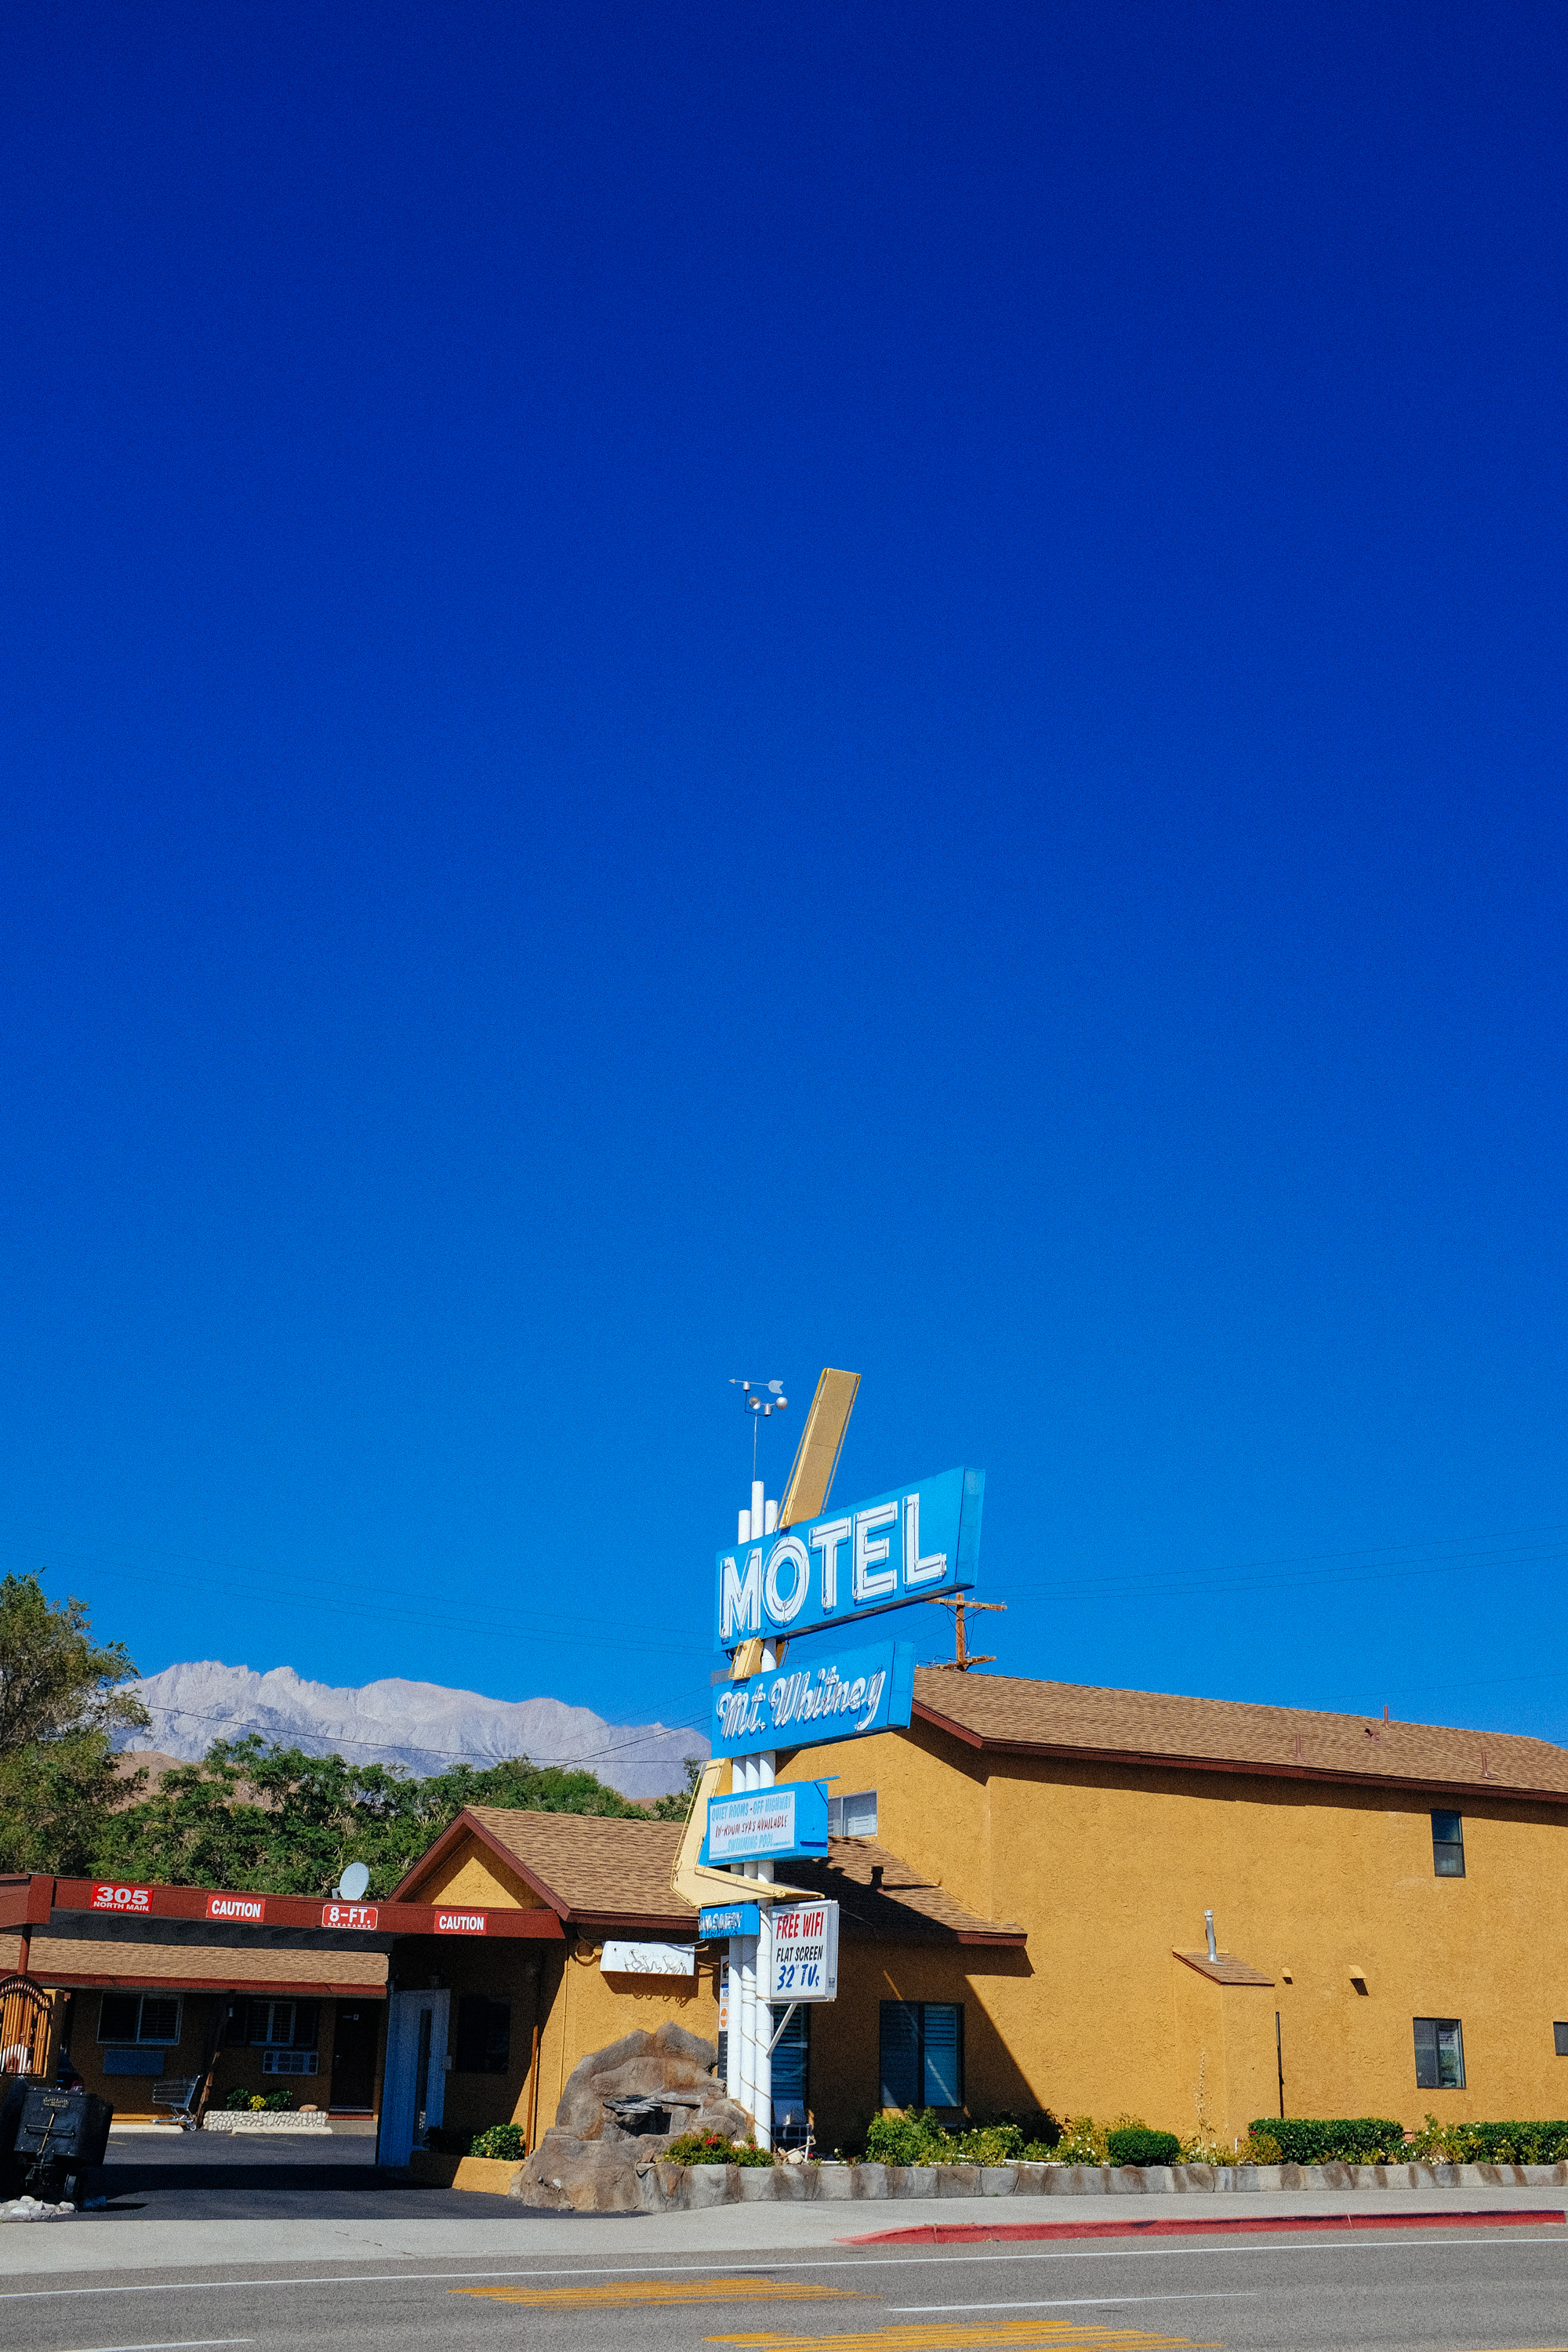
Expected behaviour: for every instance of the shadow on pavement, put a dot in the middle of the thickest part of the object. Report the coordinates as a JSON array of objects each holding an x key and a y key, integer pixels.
[{"x": 190, "y": 2177}]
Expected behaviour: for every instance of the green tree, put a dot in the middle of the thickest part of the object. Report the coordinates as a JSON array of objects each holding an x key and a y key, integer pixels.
[
  {"x": 676, "y": 1807},
  {"x": 275, "y": 1820},
  {"x": 61, "y": 1702}
]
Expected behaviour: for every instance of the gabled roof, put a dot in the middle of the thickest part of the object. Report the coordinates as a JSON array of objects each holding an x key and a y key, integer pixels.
[
  {"x": 1004, "y": 1715},
  {"x": 904, "y": 1908},
  {"x": 599, "y": 1873}
]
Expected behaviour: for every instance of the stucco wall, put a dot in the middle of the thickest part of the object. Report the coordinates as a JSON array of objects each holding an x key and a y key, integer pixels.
[{"x": 1111, "y": 1868}]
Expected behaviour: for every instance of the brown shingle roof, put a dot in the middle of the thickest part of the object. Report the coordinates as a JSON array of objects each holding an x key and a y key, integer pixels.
[
  {"x": 1004, "y": 1713},
  {"x": 202, "y": 1968},
  {"x": 905, "y": 1909},
  {"x": 588, "y": 1868},
  {"x": 598, "y": 1872},
  {"x": 1225, "y": 1969}
]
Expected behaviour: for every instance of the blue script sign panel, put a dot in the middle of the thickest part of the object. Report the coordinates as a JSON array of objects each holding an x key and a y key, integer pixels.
[
  {"x": 845, "y": 1696},
  {"x": 727, "y": 1919},
  {"x": 907, "y": 1546},
  {"x": 774, "y": 1821}
]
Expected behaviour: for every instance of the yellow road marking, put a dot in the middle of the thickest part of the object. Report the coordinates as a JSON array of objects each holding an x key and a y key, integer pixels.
[
  {"x": 1003, "y": 2335},
  {"x": 632, "y": 2294}
]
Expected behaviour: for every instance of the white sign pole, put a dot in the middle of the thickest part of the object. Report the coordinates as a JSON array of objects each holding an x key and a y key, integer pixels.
[{"x": 749, "y": 2067}]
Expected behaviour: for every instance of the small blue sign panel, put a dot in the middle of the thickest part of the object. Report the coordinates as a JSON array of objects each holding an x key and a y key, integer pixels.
[
  {"x": 772, "y": 1822},
  {"x": 729, "y": 1919},
  {"x": 849, "y": 1694},
  {"x": 908, "y": 1546}
]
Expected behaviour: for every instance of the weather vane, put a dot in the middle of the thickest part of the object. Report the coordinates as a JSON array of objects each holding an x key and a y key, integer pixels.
[{"x": 762, "y": 1400}]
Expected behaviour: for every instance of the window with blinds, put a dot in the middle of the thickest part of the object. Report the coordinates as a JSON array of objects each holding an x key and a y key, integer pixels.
[
  {"x": 922, "y": 2056},
  {"x": 853, "y": 1816}
]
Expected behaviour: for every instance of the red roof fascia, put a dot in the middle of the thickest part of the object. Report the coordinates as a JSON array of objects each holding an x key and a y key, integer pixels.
[
  {"x": 25, "y": 1902},
  {"x": 392, "y": 1918}
]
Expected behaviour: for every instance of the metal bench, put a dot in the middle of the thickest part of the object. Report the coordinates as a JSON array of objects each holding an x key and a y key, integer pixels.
[{"x": 178, "y": 2094}]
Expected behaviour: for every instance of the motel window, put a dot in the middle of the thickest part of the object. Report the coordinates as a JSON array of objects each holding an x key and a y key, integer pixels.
[
  {"x": 271, "y": 2025},
  {"x": 484, "y": 2035},
  {"x": 140, "y": 2017},
  {"x": 1448, "y": 1845},
  {"x": 1560, "y": 2038},
  {"x": 923, "y": 2053},
  {"x": 1439, "y": 2055},
  {"x": 853, "y": 1816}
]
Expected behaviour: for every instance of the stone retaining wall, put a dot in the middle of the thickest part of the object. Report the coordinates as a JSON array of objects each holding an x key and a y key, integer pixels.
[
  {"x": 682, "y": 2188},
  {"x": 243, "y": 2119}
]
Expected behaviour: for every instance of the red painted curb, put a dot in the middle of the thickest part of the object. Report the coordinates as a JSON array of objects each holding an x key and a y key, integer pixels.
[{"x": 972, "y": 2233}]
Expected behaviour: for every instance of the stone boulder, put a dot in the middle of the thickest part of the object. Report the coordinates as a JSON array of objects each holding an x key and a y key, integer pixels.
[{"x": 618, "y": 2113}]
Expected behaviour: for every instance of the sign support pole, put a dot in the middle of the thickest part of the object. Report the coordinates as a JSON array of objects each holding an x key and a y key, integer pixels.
[{"x": 749, "y": 2069}]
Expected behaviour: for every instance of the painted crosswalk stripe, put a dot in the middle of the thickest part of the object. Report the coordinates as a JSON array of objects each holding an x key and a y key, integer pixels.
[{"x": 638, "y": 2293}]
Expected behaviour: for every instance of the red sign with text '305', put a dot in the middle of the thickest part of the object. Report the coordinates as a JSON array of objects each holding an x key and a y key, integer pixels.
[
  {"x": 123, "y": 1899},
  {"x": 348, "y": 1915}
]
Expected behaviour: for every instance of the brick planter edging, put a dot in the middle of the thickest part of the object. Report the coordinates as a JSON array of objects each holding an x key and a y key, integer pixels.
[{"x": 692, "y": 2187}]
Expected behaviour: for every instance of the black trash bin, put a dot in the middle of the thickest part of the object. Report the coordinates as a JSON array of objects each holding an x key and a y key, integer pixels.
[{"x": 55, "y": 2138}]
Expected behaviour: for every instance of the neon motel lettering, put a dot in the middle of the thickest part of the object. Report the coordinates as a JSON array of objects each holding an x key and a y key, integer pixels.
[{"x": 746, "y": 1592}]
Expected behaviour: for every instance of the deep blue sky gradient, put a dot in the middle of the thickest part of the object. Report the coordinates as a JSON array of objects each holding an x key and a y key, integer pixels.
[{"x": 702, "y": 690}]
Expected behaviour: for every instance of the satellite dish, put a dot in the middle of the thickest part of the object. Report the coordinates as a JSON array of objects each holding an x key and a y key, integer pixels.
[{"x": 354, "y": 1881}]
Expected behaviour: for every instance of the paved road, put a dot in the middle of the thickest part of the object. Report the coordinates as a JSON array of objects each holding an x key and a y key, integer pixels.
[{"x": 1444, "y": 2290}]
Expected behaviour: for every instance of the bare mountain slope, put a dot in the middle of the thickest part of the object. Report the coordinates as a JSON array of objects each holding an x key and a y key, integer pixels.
[{"x": 420, "y": 1725}]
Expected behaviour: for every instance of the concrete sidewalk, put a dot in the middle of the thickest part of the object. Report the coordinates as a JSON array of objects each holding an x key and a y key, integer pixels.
[{"x": 515, "y": 2239}]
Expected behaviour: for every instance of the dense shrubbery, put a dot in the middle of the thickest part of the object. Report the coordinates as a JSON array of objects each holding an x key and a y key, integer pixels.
[
  {"x": 1501, "y": 2142},
  {"x": 1341, "y": 2140},
  {"x": 258, "y": 2103},
  {"x": 712, "y": 2147},
  {"x": 919, "y": 2138},
  {"x": 503, "y": 2140},
  {"x": 1135, "y": 2144}
]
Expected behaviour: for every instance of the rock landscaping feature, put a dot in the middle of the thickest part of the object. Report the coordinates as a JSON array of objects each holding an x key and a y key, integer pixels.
[
  {"x": 621, "y": 2111},
  {"x": 31, "y": 2209}
]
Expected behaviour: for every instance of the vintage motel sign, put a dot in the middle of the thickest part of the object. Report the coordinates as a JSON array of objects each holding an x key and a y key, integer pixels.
[
  {"x": 727, "y": 1919},
  {"x": 845, "y": 1695},
  {"x": 805, "y": 1965},
  {"x": 768, "y": 1826},
  {"x": 912, "y": 1545}
]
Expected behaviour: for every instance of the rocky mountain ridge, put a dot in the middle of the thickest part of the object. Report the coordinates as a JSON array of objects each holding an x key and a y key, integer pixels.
[{"x": 423, "y": 1727}]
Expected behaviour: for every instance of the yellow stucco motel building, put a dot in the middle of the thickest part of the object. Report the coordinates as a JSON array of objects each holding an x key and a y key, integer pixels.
[{"x": 1024, "y": 1874}]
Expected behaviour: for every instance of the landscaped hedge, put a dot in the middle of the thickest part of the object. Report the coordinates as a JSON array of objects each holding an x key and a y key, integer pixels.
[
  {"x": 1134, "y": 2143},
  {"x": 1371, "y": 2139},
  {"x": 503, "y": 2140},
  {"x": 1343, "y": 2139},
  {"x": 919, "y": 2137}
]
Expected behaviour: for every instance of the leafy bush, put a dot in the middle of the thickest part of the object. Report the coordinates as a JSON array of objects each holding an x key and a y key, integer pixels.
[
  {"x": 1258, "y": 2147},
  {"x": 237, "y": 2099},
  {"x": 503, "y": 2140},
  {"x": 1343, "y": 2139},
  {"x": 1135, "y": 2144},
  {"x": 712, "y": 2147},
  {"x": 1498, "y": 2143},
  {"x": 918, "y": 2137},
  {"x": 1082, "y": 2141},
  {"x": 276, "y": 2103}
]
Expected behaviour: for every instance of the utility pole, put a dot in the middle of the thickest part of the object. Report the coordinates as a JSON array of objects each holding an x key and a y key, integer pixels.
[{"x": 958, "y": 1602}]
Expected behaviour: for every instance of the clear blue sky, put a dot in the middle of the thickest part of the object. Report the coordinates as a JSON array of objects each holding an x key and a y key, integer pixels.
[{"x": 700, "y": 690}]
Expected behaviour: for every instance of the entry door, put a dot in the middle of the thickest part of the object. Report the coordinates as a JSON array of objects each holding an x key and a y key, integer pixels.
[
  {"x": 414, "y": 2089},
  {"x": 353, "y": 2055}
]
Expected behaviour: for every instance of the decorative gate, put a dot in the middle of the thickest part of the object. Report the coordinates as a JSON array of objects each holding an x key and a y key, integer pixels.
[{"x": 26, "y": 2014}]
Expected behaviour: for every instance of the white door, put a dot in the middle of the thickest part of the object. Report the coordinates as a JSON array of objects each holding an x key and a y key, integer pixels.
[{"x": 414, "y": 2090}]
